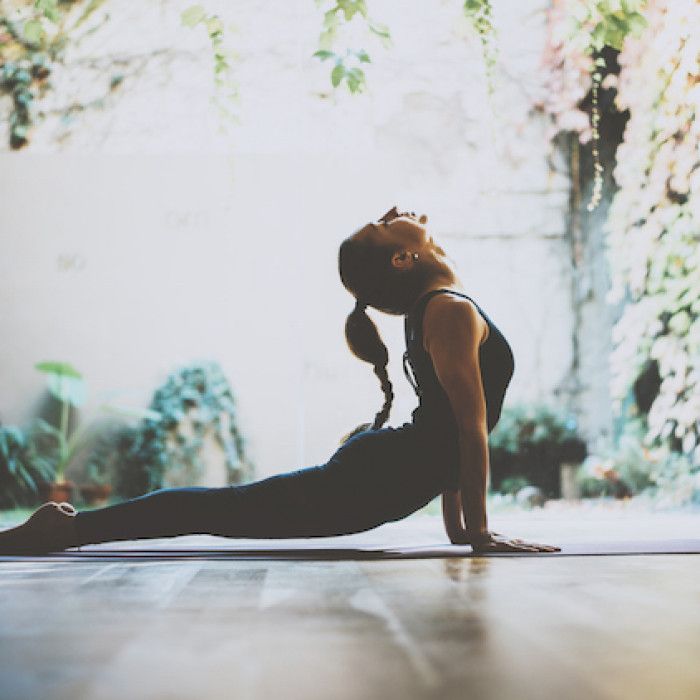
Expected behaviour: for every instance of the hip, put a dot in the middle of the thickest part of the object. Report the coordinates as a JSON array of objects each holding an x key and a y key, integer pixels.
[{"x": 408, "y": 453}]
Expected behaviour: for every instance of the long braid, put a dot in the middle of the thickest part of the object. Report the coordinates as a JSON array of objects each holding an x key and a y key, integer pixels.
[
  {"x": 388, "y": 390},
  {"x": 364, "y": 342}
]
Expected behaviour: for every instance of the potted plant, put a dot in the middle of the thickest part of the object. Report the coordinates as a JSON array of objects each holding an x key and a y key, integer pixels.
[
  {"x": 58, "y": 444},
  {"x": 38, "y": 459},
  {"x": 97, "y": 489}
]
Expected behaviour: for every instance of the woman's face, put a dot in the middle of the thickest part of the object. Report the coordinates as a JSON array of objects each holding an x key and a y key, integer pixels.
[{"x": 399, "y": 230}]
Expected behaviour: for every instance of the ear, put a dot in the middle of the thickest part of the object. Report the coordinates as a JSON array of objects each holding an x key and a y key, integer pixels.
[
  {"x": 423, "y": 219},
  {"x": 402, "y": 260}
]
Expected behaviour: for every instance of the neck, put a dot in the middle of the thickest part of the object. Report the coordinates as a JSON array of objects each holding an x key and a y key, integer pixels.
[{"x": 442, "y": 277}]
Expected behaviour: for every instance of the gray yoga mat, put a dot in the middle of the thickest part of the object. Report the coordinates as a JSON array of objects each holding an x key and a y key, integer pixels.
[{"x": 280, "y": 551}]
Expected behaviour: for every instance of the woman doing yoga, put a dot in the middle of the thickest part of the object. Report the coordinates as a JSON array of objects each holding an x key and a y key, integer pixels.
[{"x": 459, "y": 364}]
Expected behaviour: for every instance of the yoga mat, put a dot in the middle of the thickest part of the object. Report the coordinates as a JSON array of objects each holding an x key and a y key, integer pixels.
[{"x": 273, "y": 551}]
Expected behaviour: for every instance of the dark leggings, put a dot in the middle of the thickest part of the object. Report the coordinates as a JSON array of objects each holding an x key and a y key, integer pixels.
[{"x": 375, "y": 477}]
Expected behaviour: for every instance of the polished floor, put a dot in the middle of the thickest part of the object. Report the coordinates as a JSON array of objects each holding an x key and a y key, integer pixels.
[{"x": 533, "y": 627}]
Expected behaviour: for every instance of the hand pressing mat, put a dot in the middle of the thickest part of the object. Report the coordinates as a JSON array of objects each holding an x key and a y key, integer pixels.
[{"x": 274, "y": 551}]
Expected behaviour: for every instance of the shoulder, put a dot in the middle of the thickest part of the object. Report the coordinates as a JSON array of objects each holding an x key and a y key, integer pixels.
[
  {"x": 452, "y": 315},
  {"x": 447, "y": 308}
]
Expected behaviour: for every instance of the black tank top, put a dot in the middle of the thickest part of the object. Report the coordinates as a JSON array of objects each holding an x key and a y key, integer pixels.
[{"x": 434, "y": 411}]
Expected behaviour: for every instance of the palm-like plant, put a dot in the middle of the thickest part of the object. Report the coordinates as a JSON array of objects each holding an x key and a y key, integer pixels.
[
  {"x": 20, "y": 474},
  {"x": 67, "y": 386}
]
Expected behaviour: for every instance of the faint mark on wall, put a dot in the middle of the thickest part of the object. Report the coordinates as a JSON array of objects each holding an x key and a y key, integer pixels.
[
  {"x": 184, "y": 219},
  {"x": 70, "y": 262}
]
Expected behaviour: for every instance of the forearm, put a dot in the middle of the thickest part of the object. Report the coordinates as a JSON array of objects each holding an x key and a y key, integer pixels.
[{"x": 474, "y": 469}]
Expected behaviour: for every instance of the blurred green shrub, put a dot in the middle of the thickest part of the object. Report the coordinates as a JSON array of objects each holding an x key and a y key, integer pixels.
[
  {"x": 194, "y": 401},
  {"x": 512, "y": 484},
  {"x": 21, "y": 468},
  {"x": 531, "y": 441}
]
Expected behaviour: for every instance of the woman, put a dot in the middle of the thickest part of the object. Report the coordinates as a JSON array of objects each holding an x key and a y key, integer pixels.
[{"x": 461, "y": 367}]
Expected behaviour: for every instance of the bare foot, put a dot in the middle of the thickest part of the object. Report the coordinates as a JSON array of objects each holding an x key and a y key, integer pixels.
[{"x": 50, "y": 528}]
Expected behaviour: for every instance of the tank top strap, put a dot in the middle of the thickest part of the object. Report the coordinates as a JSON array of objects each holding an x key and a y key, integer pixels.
[{"x": 422, "y": 300}]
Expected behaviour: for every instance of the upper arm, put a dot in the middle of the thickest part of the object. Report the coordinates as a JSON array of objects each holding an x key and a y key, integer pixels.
[{"x": 452, "y": 330}]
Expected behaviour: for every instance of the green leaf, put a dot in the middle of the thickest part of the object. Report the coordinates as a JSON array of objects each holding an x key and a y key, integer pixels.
[
  {"x": 330, "y": 19},
  {"x": 67, "y": 389},
  {"x": 12, "y": 465},
  {"x": 363, "y": 56},
  {"x": 214, "y": 25},
  {"x": 615, "y": 39},
  {"x": 356, "y": 80},
  {"x": 27, "y": 478},
  {"x": 61, "y": 368},
  {"x": 49, "y": 8},
  {"x": 629, "y": 6},
  {"x": 598, "y": 37},
  {"x": 351, "y": 7},
  {"x": 326, "y": 39},
  {"x": 193, "y": 15},
  {"x": 47, "y": 428},
  {"x": 380, "y": 30},
  {"x": 637, "y": 24},
  {"x": 337, "y": 74},
  {"x": 33, "y": 31},
  {"x": 323, "y": 54}
]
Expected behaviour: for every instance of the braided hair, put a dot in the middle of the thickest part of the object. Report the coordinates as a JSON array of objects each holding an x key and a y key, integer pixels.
[{"x": 361, "y": 334}]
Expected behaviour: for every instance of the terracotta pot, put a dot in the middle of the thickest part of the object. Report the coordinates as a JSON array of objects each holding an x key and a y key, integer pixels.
[
  {"x": 57, "y": 491},
  {"x": 94, "y": 494}
]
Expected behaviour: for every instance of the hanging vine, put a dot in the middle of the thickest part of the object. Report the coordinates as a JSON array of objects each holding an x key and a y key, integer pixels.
[
  {"x": 652, "y": 246},
  {"x": 654, "y": 224},
  {"x": 347, "y": 66},
  {"x": 33, "y": 37},
  {"x": 579, "y": 31},
  {"x": 224, "y": 79},
  {"x": 480, "y": 15}
]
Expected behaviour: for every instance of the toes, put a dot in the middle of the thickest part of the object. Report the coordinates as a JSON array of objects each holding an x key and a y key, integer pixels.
[{"x": 67, "y": 508}]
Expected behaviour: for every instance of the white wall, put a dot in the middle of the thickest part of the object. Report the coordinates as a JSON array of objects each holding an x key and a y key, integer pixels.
[{"x": 137, "y": 238}]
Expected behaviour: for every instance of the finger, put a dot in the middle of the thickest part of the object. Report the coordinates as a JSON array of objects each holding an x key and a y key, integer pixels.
[
  {"x": 509, "y": 546},
  {"x": 545, "y": 546},
  {"x": 521, "y": 546}
]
